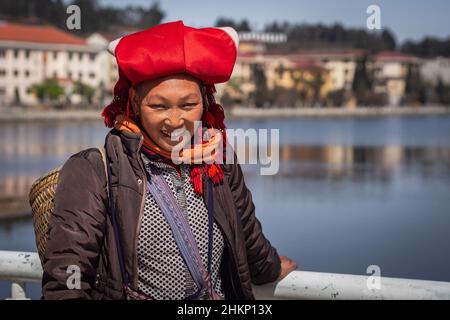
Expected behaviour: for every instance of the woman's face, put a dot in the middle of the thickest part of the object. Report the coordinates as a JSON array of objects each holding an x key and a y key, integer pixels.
[{"x": 167, "y": 107}]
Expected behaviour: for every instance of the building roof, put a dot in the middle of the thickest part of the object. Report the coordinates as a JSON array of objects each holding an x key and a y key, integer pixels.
[
  {"x": 328, "y": 54},
  {"x": 394, "y": 56},
  {"x": 307, "y": 65},
  {"x": 37, "y": 33}
]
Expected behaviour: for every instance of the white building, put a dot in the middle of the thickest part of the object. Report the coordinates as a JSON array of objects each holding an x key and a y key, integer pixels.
[
  {"x": 390, "y": 72},
  {"x": 433, "y": 70},
  {"x": 30, "y": 54}
]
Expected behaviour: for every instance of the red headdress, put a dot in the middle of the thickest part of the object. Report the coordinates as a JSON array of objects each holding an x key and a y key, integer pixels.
[{"x": 208, "y": 54}]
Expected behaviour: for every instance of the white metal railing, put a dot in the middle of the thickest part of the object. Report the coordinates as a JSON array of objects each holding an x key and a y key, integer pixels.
[
  {"x": 19, "y": 268},
  {"x": 23, "y": 267}
]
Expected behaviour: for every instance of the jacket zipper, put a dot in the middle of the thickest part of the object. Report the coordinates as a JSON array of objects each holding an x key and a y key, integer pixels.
[{"x": 136, "y": 237}]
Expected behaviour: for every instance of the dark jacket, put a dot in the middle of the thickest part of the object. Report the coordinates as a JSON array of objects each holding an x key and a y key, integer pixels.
[{"x": 81, "y": 234}]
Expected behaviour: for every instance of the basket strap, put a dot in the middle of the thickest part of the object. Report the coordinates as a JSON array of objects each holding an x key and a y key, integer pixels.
[{"x": 103, "y": 154}]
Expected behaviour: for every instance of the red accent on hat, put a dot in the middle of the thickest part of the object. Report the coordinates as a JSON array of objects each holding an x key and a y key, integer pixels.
[{"x": 208, "y": 54}]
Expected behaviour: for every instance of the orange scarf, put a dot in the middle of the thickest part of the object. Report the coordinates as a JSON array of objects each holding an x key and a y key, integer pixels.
[{"x": 203, "y": 156}]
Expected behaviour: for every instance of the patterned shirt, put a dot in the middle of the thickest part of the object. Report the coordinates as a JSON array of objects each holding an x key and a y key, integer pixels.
[{"x": 162, "y": 272}]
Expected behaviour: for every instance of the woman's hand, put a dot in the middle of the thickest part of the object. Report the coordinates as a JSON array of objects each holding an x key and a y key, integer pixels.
[{"x": 287, "y": 265}]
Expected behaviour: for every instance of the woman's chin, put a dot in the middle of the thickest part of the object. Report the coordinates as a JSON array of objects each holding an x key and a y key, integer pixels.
[{"x": 168, "y": 145}]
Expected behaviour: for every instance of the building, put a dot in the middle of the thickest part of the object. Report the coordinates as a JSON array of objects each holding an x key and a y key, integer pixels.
[
  {"x": 435, "y": 70},
  {"x": 29, "y": 54},
  {"x": 390, "y": 70},
  {"x": 330, "y": 70},
  {"x": 341, "y": 65}
]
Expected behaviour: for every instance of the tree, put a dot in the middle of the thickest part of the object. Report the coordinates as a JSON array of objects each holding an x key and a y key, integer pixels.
[
  {"x": 428, "y": 47},
  {"x": 415, "y": 91},
  {"x": 362, "y": 83},
  {"x": 388, "y": 40},
  {"x": 83, "y": 90},
  {"x": 238, "y": 26},
  {"x": 260, "y": 81},
  {"x": 151, "y": 17},
  {"x": 316, "y": 85},
  {"x": 48, "y": 90},
  {"x": 16, "y": 96},
  {"x": 443, "y": 93}
]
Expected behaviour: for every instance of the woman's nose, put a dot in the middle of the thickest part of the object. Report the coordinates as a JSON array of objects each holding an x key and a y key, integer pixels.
[{"x": 174, "y": 118}]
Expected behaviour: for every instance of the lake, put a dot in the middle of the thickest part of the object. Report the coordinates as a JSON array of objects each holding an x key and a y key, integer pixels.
[{"x": 350, "y": 192}]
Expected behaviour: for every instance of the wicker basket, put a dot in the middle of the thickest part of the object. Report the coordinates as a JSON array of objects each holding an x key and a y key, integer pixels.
[{"x": 41, "y": 198}]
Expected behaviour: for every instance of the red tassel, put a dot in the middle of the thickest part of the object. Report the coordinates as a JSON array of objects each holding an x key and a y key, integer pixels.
[
  {"x": 110, "y": 112},
  {"x": 215, "y": 173},
  {"x": 196, "y": 179}
]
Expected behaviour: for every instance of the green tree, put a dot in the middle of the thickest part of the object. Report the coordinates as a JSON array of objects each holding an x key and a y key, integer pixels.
[
  {"x": 415, "y": 90},
  {"x": 443, "y": 93},
  {"x": 151, "y": 17},
  {"x": 48, "y": 90},
  {"x": 259, "y": 78},
  {"x": 362, "y": 82},
  {"x": 83, "y": 90},
  {"x": 243, "y": 25}
]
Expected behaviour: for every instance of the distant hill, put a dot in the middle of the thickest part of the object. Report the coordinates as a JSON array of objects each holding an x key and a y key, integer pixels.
[{"x": 94, "y": 17}]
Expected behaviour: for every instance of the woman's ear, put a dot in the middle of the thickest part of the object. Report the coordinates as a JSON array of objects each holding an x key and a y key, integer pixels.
[{"x": 135, "y": 100}]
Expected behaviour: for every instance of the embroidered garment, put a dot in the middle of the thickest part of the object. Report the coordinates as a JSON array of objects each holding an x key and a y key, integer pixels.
[{"x": 161, "y": 268}]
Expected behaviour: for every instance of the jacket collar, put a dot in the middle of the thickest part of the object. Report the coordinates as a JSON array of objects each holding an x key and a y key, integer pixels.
[{"x": 131, "y": 142}]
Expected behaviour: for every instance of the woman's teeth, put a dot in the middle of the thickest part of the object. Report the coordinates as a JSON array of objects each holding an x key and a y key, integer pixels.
[{"x": 174, "y": 134}]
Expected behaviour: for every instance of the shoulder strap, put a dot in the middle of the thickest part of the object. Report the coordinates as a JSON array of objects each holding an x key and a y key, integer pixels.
[
  {"x": 103, "y": 154},
  {"x": 182, "y": 232},
  {"x": 112, "y": 214}
]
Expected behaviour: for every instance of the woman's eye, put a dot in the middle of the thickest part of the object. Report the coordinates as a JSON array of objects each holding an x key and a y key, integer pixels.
[
  {"x": 189, "y": 105},
  {"x": 157, "y": 106}
]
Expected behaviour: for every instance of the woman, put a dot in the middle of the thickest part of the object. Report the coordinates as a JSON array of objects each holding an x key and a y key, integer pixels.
[{"x": 167, "y": 221}]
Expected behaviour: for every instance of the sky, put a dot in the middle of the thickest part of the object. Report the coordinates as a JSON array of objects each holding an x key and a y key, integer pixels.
[{"x": 408, "y": 19}]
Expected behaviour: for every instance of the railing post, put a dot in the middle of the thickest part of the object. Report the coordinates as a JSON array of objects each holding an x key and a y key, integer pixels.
[{"x": 18, "y": 291}]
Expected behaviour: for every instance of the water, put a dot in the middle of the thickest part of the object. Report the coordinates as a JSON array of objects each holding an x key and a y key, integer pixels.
[{"x": 350, "y": 192}]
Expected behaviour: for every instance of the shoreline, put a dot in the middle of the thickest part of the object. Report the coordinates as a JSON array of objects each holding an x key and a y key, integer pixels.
[
  {"x": 236, "y": 113},
  {"x": 14, "y": 208},
  {"x": 239, "y": 112}
]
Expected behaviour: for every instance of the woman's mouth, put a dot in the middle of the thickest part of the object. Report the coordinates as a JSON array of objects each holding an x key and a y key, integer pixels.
[{"x": 175, "y": 134}]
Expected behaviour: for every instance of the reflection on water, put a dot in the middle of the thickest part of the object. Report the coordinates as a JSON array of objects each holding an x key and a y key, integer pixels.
[{"x": 349, "y": 193}]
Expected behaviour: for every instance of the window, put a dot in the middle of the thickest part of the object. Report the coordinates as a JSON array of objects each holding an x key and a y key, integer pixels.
[
  {"x": 27, "y": 54},
  {"x": 2, "y": 53},
  {"x": 69, "y": 75},
  {"x": 55, "y": 55},
  {"x": 80, "y": 76},
  {"x": 70, "y": 55},
  {"x": 16, "y": 53},
  {"x": 16, "y": 73},
  {"x": 2, "y": 72},
  {"x": 92, "y": 56},
  {"x": 55, "y": 74},
  {"x": 91, "y": 75},
  {"x": 27, "y": 73}
]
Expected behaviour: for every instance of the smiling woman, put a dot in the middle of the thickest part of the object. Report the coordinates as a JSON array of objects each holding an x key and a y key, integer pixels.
[
  {"x": 167, "y": 107},
  {"x": 153, "y": 228}
]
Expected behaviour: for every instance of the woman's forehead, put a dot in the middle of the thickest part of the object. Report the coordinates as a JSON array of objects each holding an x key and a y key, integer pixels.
[{"x": 179, "y": 86}]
